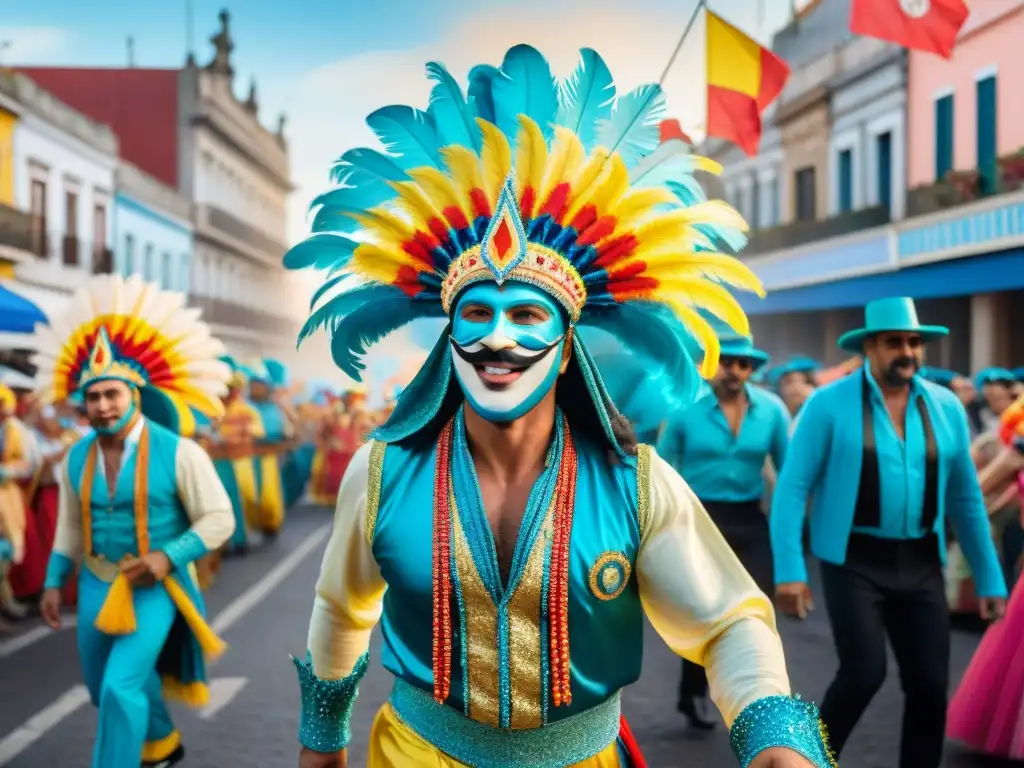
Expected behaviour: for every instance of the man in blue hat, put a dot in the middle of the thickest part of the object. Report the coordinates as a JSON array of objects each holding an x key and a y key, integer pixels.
[
  {"x": 884, "y": 456},
  {"x": 794, "y": 381},
  {"x": 998, "y": 388},
  {"x": 719, "y": 445}
]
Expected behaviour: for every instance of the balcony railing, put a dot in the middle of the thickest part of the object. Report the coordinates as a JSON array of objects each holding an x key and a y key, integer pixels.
[
  {"x": 800, "y": 233},
  {"x": 67, "y": 250},
  {"x": 238, "y": 229},
  {"x": 16, "y": 229},
  {"x": 223, "y": 312},
  {"x": 966, "y": 186}
]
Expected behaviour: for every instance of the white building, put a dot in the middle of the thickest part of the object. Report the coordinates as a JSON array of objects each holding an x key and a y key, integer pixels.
[
  {"x": 152, "y": 233},
  {"x": 64, "y": 166}
]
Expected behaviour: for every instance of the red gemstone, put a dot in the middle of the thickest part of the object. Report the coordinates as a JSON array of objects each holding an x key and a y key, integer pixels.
[
  {"x": 502, "y": 238},
  {"x": 471, "y": 262}
]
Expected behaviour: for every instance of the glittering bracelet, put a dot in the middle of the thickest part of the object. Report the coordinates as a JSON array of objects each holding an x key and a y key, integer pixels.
[
  {"x": 327, "y": 706},
  {"x": 780, "y": 721}
]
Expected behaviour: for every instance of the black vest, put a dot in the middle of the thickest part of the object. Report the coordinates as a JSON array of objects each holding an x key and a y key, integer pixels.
[{"x": 868, "y": 509}]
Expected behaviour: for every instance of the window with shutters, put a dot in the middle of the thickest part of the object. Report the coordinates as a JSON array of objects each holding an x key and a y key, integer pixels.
[
  {"x": 943, "y": 136},
  {"x": 986, "y": 108},
  {"x": 845, "y": 180},
  {"x": 804, "y": 182},
  {"x": 883, "y": 156}
]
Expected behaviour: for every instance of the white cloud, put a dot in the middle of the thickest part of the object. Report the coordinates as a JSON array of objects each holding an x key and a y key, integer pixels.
[{"x": 32, "y": 45}]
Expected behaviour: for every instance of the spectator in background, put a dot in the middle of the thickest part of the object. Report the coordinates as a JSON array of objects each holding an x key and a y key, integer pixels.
[
  {"x": 998, "y": 388},
  {"x": 794, "y": 381},
  {"x": 19, "y": 459}
]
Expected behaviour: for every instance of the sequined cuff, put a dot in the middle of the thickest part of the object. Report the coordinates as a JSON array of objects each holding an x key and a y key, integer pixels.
[
  {"x": 780, "y": 721},
  {"x": 327, "y": 706},
  {"x": 185, "y": 549},
  {"x": 58, "y": 570}
]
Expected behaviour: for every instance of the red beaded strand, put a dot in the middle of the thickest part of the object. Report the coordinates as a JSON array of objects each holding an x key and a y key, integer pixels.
[
  {"x": 442, "y": 581},
  {"x": 558, "y": 585}
]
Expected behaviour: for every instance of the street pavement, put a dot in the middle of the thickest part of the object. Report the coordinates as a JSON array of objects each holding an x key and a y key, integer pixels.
[{"x": 261, "y": 605}]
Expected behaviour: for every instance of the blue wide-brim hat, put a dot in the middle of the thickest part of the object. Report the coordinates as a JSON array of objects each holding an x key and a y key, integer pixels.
[
  {"x": 743, "y": 347},
  {"x": 896, "y": 314},
  {"x": 993, "y": 375},
  {"x": 793, "y": 365}
]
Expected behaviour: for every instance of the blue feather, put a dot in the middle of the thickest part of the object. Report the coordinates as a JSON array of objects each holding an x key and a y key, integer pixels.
[
  {"x": 452, "y": 115},
  {"x": 481, "y": 100},
  {"x": 344, "y": 304},
  {"x": 688, "y": 190},
  {"x": 641, "y": 391},
  {"x": 632, "y": 130},
  {"x": 525, "y": 86},
  {"x": 408, "y": 134},
  {"x": 334, "y": 208},
  {"x": 735, "y": 239},
  {"x": 323, "y": 289},
  {"x": 320, "y": 250},
  {"x": 367, "y": 324},
  {"x": 586, "y": 98},
  {"x": 360, "y": 166}
]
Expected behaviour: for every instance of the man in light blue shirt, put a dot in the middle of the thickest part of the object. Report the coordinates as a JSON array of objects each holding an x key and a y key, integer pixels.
[
  {"x": 719, "y": 445},
  {"x": 884, "y": 455}
]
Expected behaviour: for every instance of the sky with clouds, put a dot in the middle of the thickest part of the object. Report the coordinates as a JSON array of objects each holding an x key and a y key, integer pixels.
[{"x": 328, "y": 63}]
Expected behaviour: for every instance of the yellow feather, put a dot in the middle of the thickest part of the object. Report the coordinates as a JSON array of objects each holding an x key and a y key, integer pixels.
[
  {"x": 583, "y": 184},
  {"x": 674, "y": 263},
  {"x": 611, "y": 187},
  {"x": 703, "y": 332},
  {"x": 464, "y": 169},
  {"x": 564, "y": 162},
  {"x": 375, "y": 262},
  {"x": 413, "y": 201},
  {"x": 531, "y": 159},
  {"x": 440, "y": 189},
  {"x": 384, "y": 226},
  {"x": 496, "y": 159},
  {"x": 639, "y": 204},
  {"x": 708, "y": 295},
  {"x": 707, "y": 165}
]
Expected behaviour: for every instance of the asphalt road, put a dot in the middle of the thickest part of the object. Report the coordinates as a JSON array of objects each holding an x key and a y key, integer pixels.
[{"x": 261, "y": 605}]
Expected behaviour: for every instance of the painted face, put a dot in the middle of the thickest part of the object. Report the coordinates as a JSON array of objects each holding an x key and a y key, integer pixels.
[
  {"x": 507, "y": 344},
  {"x": 110, "y": 405}
]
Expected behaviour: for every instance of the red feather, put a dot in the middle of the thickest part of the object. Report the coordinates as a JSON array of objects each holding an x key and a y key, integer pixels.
[
  {"x": 601, "y": 228},
  {"x": 526, "y": 202},
  {"x": 615, "y": 250},
  {"x": 555, "y": 205}
]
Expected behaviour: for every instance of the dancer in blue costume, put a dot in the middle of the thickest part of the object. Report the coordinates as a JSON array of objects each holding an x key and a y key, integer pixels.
[
  {"x": 504, "y": 526},
  {"x": 883, "y": 456},
  {"x": 139, "y": 504},
  {"x": 271, "y": 448}
]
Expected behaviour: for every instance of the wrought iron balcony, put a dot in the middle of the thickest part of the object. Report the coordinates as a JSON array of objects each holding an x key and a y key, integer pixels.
[
  {"x": 16, "y": 229},
  {"x": 800, "y": 233}
]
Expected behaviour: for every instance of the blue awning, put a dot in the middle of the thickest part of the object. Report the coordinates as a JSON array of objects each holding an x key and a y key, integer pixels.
[
  {"x": 995, "y": 272},
  {"x": 18, "y": 314}
]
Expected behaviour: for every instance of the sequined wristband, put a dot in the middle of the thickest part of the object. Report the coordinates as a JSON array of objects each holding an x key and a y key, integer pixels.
[
  {"x": 780, "y": 721},
  {"x": 185, "y": 549},
  {"x": 327, "y": 706}
]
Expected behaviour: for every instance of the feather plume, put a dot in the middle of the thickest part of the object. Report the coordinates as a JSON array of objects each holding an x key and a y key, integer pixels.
[
  {"x": 672, "y": 263},
  {"x": 383, "y": 262},
  {"x": 710, "y": 296},
  {"x": 464, "y": 169},
  {"x": 524, "y": 86},
  {"x": 632, "y": 130},
  {"x": 668, "y": 162},
  {"x": 408, "y": 134},
  {"x": 610, "y": 189},
  {"x": 481, "y": 78},
  {"x": 495, "y": 158},
  {"x": 413, "y": 201},
  {"x": 586, "y": 98},
  {"x": 453, "y": 116},
  {"x": 639, "y": 204},
  {"x": 702, "y": 332},
  {"x": 335, "y": 210},
  {"x": 342, "y": 305},
  {"x": 366, "y": 166},
  {"x": 438, "y": 187},
  {"x": 531, "y": 159},
  {"x": 322, "y": 250},
  {"x": 564, "y": 162},
  {"x": 366, "y": 325},
  {"x": 385, "y": 226}
]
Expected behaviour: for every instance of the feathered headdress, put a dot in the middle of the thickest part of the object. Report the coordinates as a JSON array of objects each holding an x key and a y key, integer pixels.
[
  {"x": 1011, "y": 423},
  {"x": 239, "y": 378},
  {"x": 564, "y": 186},
  {"x": 137, "y": 333}
]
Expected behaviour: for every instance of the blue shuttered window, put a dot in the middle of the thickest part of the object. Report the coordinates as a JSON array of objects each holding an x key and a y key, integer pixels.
[
  {"x": 987, "y": 134},
  {"x": 846, "y": 180},
  {"x": 884, "y": 155},
  {"x": 943, "y": 136}
]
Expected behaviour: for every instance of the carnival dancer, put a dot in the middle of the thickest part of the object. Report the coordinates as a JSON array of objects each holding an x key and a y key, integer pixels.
[
  {"x": 552, "y": 532},
  {"x": 882, "y": 479},
  {"x": 720, "y": 445},
  {"x": 794, "y": 381},
  {"x": 269, "y": 450},
  {"x": 335, "y": 448},
  {"x": 19, "y": 461},
  {"x": 139, "y": 504},
  {"x": 232, "y": 448}
]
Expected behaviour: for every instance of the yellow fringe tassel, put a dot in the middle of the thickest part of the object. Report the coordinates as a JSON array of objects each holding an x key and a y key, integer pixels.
[
  {"x": 194, "y": 695},
  {"x": 161, "y": 749},
  {"x": 208, "y": 641},
  {"x": 117, "y": 616}
]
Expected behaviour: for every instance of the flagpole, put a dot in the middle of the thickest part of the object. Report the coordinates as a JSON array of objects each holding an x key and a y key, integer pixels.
[{"x": 679, "y": 45}]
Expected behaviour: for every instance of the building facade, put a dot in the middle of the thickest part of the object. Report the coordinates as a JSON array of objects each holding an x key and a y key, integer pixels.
[
  {"x": 152, "y": 233},
  {"x": 63, "y": 179}
]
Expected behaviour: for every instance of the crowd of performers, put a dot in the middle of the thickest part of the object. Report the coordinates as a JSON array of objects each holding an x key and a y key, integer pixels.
[{"x": 507, "y": 523}]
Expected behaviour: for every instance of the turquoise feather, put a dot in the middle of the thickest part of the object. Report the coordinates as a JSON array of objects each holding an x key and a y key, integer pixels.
[
  {"x": 408, "y": 135},
  {"x": 321, "y": 250},
  {"x": 525, "y": 86},
  {"x": 362, "y": 166},
  {"x": 368, "y": 323},
  {"x": 641, "y": 391},
  {"x": 688, "y": 190},
  {"x": 324, "y": 289},
  {"x": 343, "y": 304},
  {"x": 481, "y": 99},
  {"x": 452, "y": 114},
  {"x": 334, "y": 209},
  {"x": 586, "y": 98},
  {"x": 633, "y": 128}
]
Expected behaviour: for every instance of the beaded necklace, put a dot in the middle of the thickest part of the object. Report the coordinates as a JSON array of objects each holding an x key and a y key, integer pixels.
[{"x": 556, "y": 486}]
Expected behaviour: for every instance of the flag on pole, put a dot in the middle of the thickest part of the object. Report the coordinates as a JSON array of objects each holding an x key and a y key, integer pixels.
[
  {"x": 743, "y": 79},
  {"x": 924, "y": 25}
]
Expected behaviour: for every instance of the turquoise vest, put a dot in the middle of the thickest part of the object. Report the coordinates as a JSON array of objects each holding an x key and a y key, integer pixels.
[
  {"x": 273, "y": 420},
  {"x": 113, "y": 519},
  {"x": 605, "y": 614}
]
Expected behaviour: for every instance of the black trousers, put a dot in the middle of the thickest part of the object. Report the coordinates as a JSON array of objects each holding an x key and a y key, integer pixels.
[
  {"x": 895, "y": 590},
  {"x": 745, "y": 528}
]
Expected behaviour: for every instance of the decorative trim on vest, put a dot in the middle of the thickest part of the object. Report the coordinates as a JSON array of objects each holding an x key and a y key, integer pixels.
[
  {"x": 374, "y": 476},
  {"x": 643, "y": 486}
]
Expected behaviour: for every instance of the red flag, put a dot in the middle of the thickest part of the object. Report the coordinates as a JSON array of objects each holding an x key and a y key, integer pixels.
[{"x": 924, "y": 25}]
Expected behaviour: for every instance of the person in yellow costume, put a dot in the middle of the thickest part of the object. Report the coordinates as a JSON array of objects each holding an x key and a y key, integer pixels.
[
  {"x": 18, "y": 462},
  {"x": 504, "y": 525},
  {"x": 270, "y": 448}
]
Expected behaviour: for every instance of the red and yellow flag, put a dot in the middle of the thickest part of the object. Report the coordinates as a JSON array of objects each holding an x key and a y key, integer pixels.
[{"x": 743, "y": 78}]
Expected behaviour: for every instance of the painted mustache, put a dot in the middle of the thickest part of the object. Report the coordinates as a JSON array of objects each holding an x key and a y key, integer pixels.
[{"x": 484, "y": 355}]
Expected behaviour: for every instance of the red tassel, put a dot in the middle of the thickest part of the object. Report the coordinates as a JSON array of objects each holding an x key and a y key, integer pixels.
[{"x": 442, "y": 582}]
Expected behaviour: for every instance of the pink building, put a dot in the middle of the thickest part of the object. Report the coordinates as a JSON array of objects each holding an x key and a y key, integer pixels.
[{"x": 966, "y": 112}]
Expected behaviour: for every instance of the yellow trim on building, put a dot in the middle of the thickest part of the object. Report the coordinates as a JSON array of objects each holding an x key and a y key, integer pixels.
[{"x": 7, "y": 122}]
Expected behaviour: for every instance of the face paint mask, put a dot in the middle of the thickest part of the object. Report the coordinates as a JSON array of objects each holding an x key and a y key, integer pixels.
[
  {"x": 507, "y": 345},
  {"x": 120, "y": 424}
]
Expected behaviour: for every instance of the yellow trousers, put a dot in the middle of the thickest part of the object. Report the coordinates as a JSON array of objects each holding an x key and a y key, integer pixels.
[{"x": 394, "y": 745}]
